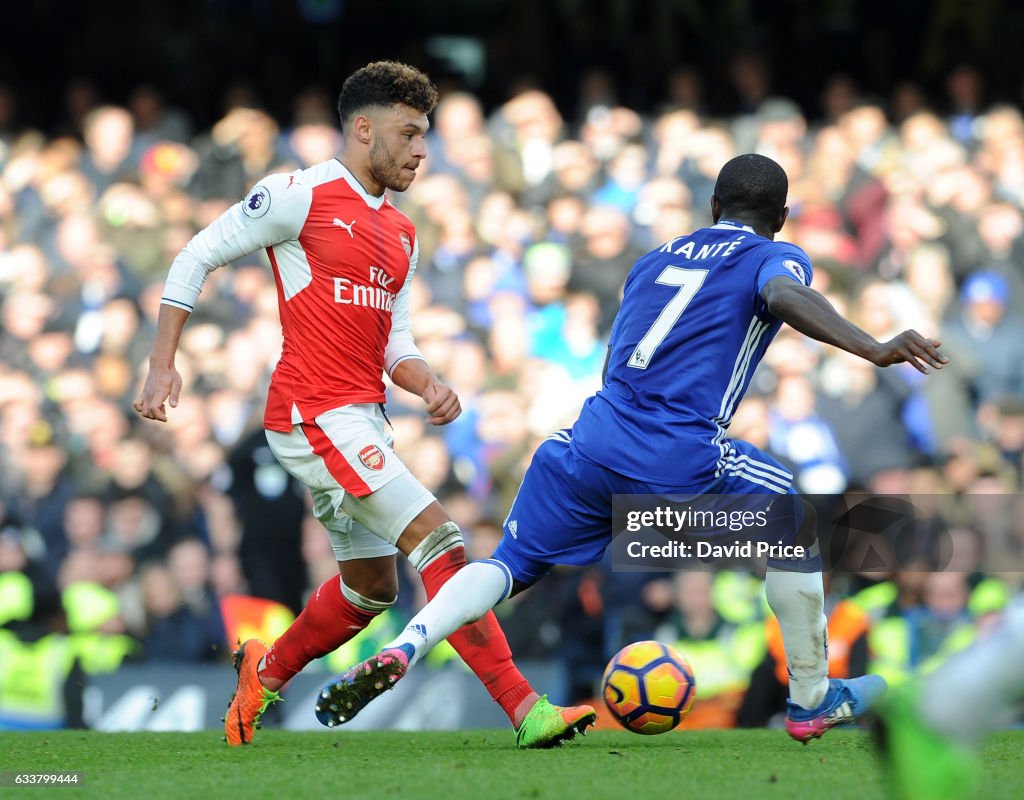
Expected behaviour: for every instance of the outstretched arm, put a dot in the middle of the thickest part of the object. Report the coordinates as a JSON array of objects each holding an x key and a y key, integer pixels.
[{"x": 808, "y": 312}]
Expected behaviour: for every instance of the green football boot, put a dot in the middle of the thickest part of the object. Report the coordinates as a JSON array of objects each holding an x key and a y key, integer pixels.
[
  {"x": 547, "y": 725},
  {"x": 922, "y": 764}
]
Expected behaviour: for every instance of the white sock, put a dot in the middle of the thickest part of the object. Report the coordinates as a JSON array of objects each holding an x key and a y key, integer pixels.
[
  {"x": 978, "y": 689},
  {"x": 468, "y": 595},
  {"x": 798, "y": 600}
]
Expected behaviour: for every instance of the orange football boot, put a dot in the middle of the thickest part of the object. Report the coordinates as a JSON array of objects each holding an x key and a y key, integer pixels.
[{"x": 251, "y": 698}]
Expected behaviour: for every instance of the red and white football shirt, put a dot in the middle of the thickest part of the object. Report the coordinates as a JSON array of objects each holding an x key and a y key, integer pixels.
[{"x": 343, "y": 261}]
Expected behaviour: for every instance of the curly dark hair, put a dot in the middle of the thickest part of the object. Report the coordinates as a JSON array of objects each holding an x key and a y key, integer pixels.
[
  {"x": 752, "y": 185},
  {"x": 383, "y": 84}
]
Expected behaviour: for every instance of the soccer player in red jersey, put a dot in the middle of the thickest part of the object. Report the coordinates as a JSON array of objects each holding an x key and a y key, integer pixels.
[{"x": 343, "y": 258}]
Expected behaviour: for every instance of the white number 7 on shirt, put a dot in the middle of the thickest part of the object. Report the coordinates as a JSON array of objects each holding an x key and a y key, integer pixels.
[{"x": 689, "y": 282}]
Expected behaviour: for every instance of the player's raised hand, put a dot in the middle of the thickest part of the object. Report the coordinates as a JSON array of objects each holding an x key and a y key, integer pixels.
[
  {"x": 162, "y": 384},
  {"x": 912, "y": 347},
  {"x": 442, "y": 403}
]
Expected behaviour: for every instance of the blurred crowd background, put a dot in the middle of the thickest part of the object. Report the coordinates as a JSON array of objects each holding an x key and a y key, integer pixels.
[{"x": 135, "y": 541}]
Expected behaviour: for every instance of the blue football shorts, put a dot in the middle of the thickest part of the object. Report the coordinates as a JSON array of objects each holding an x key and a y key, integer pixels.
[{"x": 563, "y": 512}]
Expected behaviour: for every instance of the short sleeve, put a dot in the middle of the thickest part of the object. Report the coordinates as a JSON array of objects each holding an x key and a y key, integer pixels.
[{"x": 787, "y": 261}]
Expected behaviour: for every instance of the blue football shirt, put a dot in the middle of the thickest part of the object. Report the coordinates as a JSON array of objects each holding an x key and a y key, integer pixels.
[{"x": 690, "y": 332}]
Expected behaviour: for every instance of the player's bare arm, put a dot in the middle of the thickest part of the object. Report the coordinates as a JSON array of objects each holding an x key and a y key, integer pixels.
[
  {"x": 808, "y": 312},
  {"x": 163, "y": 383},
  {"x": 414, "y": 375}
]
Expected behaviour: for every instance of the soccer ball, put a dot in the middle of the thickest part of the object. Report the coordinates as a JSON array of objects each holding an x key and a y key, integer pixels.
[{"x": 649, "y": 687}]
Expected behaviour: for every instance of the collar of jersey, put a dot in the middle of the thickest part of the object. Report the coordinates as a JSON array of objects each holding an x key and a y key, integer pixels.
[
  {"x": 373, "y": 202},
  {"x": 725, "y": 223}
]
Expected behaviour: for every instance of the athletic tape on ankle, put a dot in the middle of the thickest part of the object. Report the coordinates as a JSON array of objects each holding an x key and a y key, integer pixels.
[
  {"x": 365, "y": 603},
  {"x": 443, "y": 539}
]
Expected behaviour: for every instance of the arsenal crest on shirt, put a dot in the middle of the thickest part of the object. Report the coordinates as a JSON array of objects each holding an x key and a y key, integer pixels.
[
  {"x": 406, "y": 243},
  {"x": 372, "y": 457}
]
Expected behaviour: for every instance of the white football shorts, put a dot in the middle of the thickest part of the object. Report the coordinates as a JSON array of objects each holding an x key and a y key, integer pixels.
[{"x": 362, "y": 492}]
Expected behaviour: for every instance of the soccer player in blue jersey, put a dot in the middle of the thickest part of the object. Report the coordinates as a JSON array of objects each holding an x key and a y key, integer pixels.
[{"x": 697, "y": 315}]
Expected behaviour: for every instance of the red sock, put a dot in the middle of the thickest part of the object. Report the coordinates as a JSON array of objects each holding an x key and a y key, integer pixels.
[
  {"x": 328, "y": 621},
  {"x": 482, "y": 644}
]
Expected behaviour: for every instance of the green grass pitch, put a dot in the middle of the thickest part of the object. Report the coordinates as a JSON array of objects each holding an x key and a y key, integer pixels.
[{"x": 482, "y": 765}]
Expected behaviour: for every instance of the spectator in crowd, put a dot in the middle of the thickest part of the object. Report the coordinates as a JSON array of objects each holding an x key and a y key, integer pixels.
[
  {"x": 154, "y": 121},
  {"x": 270, "y": 509},
  {"x": 174, "y": 631},
  {"x": 805, "y": 440},
  {"x": 991, "y": 336},
  {"x": 109, "y": 134},
  {"x": 41, "y": 678}
]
